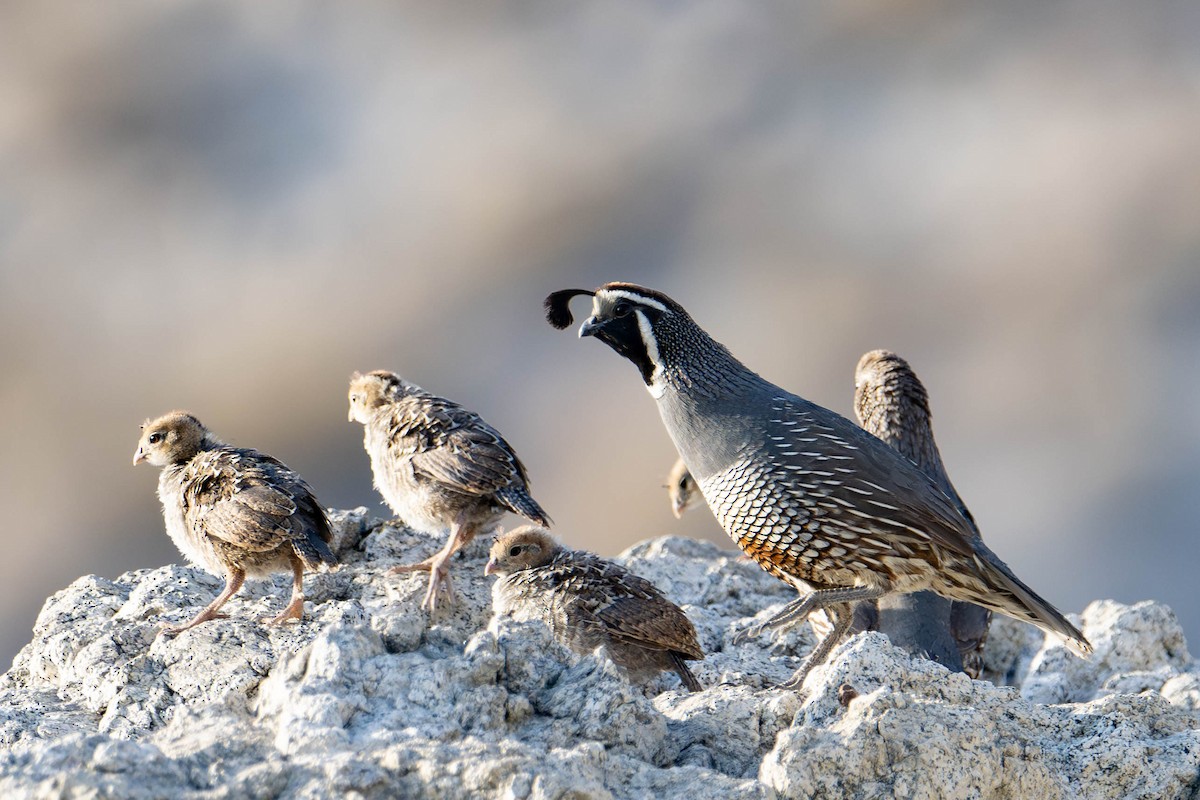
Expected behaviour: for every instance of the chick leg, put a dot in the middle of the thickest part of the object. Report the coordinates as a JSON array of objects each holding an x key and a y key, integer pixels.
[
  {"x": 295, "y": 609},
  {"x": 437, "y": 558},
  {"x": 439, "y": 576},
  {"x": 212, "y": 611},
  {"x": 461, "y": 533},
  {"x": 420, "y": 566}
]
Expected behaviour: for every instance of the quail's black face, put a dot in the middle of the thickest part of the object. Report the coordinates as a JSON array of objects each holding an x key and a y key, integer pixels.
[
  {"x": 626, "y": 324},
  {"x": 617, "y": 325},
  {"x": 625, "y": 316}
]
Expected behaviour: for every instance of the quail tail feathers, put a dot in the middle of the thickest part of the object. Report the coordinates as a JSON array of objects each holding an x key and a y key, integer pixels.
[
  {"x": 685, "y": 674},
  {"x": 1007, "y": 594},
  {"x": 313, "y": 550},
  {"x": 518, "y": 501}
]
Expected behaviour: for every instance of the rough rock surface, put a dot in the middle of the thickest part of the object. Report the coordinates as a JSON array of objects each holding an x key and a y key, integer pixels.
[{"x": 363, "y": 699}]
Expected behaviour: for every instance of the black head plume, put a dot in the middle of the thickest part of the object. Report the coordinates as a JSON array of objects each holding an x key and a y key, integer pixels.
[{"x": 558, "y": 306}]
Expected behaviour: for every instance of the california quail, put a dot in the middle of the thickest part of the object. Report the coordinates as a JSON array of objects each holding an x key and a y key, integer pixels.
[
  {"x": 682, "y": 489},
  {"x": 439, "y": 466},
  {"x": 805, "y": 492},
  {"x": 233, "y": 511},
  {"x": 589, "y": 602},
  {"x": 891, "y": 403}
]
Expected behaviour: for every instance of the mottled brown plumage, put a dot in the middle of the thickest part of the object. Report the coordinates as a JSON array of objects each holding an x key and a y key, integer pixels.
[
  {"x": 233, "y": 511},
  {"x": 589, "y": 602},
  {"x": 440, "y": 467},
  {"x": 891, "y": 402}
]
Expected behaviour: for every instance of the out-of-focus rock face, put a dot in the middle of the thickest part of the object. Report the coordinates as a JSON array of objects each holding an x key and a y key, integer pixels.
[{"x": 364, "y": 699}]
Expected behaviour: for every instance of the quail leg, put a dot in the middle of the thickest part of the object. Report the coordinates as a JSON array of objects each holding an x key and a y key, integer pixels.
[
  {"x": 295, "y": 609},
  {"x": 212, "y": 611},
  {"x": 438, "y": 565},
  {"x": 842, "y": 617},
  {"x": 800, "y": 607}
]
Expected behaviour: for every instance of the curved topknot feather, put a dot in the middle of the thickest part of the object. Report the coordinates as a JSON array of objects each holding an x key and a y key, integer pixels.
[{"x": 558, "y": 306}]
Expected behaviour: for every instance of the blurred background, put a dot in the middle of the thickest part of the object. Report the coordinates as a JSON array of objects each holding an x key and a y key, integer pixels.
[{"x": 228, "y": 207}]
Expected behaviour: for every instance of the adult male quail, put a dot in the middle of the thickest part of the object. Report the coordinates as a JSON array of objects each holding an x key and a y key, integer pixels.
[
  {"x": 589, "y": 602},
  {"x": 682, "y": 489},
  {"x": 438, "y": 466},
  {"x": 810, "y": 496},
  {"x": 233, "y": 511},
  {"x": 891, "y": 402}
]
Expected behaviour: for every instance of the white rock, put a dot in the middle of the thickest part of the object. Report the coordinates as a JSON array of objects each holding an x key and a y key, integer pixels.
[{"x": 365, "y": 698}]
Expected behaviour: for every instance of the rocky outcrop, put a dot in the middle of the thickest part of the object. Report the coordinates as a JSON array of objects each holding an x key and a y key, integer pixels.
[{"x": 367, "y": 697}]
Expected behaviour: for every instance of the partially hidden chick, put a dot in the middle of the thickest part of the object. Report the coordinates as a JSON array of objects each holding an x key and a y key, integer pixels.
[
  {"x": 589, "y": 602},
  {"x": 439, "y": 467},
  {"x": 682, "y": 489},
  {"x": 891, "y": 402},
  {"x": 233, "y": 511}
]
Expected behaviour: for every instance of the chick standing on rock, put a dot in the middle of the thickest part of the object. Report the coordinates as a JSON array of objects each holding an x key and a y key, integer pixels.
[
  {"x": 233, "y": 511},
  {"x": 589, "y": 602},
  {"x": 438, "y": 466}
]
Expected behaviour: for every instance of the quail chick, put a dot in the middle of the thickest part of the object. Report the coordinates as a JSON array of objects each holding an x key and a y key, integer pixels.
[
  {"x": 682, "y": 489},
  {"x": 233, "y": 511},
  {"x": 805, "y": 492},
  {"x": 440, "y": 467},
  {"x": 891, "y": 402},
  {"x": 589, "y": 602}
]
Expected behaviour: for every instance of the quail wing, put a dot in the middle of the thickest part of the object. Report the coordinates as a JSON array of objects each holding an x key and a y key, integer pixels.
[
  {"x": 244, "y": 499},
  {"x": 454, "y": 447},
  {"x": 915, "y": 509},
  {"x": 631, "y": 609}
]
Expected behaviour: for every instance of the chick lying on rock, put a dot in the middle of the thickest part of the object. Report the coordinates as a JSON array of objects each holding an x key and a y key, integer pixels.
[{"x": 589, "y": 602}]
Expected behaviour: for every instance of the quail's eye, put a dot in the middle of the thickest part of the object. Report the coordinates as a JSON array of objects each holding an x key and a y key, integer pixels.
[
  {"x": 683, "y": 483},
  {"x": 622, "y": 308},
  {"x": 514, "y": 551},
  {"x": 154, "y": 438}
]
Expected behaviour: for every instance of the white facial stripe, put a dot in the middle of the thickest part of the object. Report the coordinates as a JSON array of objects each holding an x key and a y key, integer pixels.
[
  {"x": 648, "y": 338},
  {"x": 655, "y": 387},
  {"x": 631, "y": 297}
]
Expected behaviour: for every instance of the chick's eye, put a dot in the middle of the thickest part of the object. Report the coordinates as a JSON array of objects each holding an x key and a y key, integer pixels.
[
  {"x": 154, "y": 438},
  {"x": 514, "y": 551}
]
